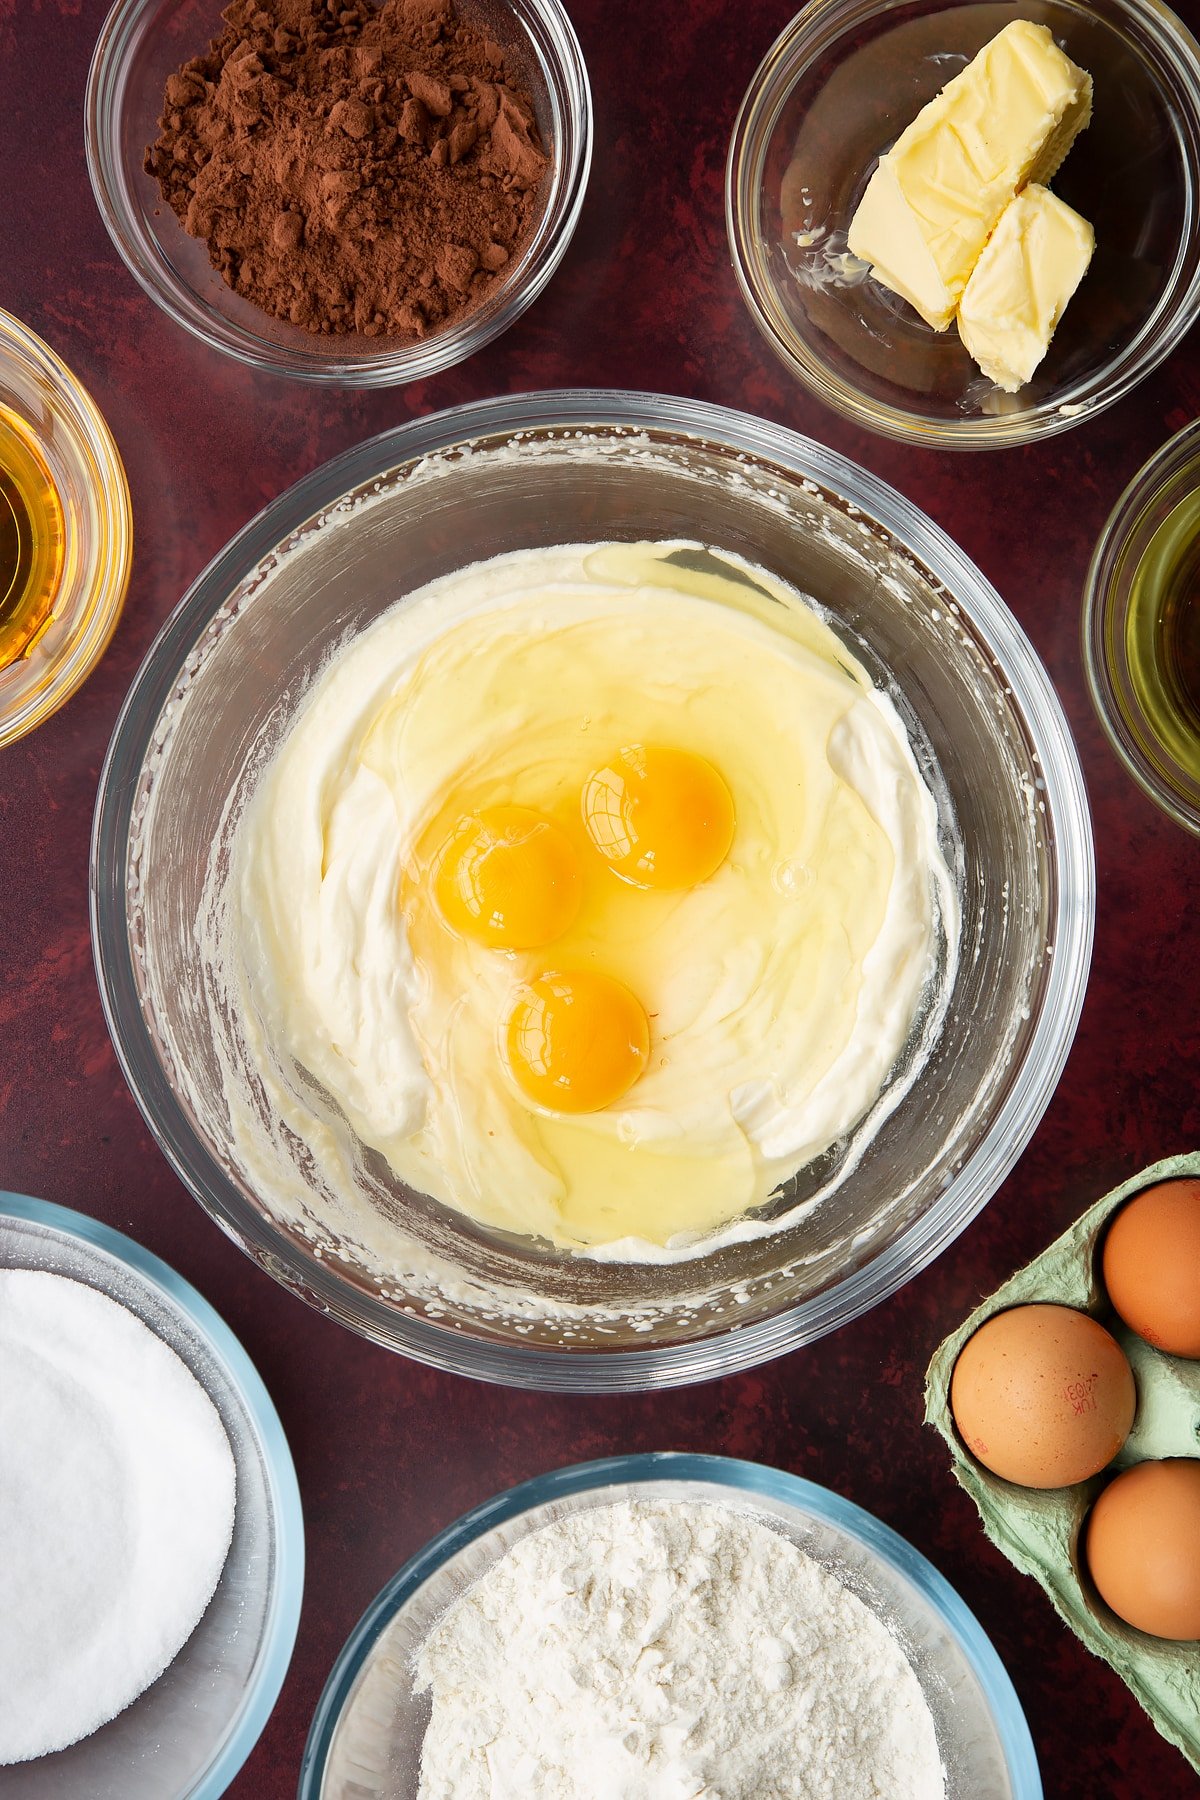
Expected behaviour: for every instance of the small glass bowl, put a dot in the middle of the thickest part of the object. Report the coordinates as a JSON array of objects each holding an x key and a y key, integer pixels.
[
  {"x": 365, "y": 1739},
  {"x": 188, "y": 1734},
  {"x": 1138, "y": 580},
  {"x": 77, "y": 448},
  {"x": 834, "y": 92},
  {"x": 144, "y": 41}
]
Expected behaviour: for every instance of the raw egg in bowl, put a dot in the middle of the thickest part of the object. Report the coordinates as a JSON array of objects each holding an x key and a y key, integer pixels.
[{"x": 592, "y": 890}]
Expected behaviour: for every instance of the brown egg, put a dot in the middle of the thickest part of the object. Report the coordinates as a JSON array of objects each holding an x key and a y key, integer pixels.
[
  {"x": 1042, "y": 1395},
  {"x": 1143, "y": 1547},
  {"x": 1152, "y": 1265}
]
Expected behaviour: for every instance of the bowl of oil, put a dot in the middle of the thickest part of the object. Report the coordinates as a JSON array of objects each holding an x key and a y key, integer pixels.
[
  {"x": 1141, "y": 627},
  {"x": 66, "y": 533}
]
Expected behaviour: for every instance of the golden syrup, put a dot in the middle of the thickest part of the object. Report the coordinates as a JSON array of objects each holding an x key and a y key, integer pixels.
[
  {"x": 1162, "y": 634},
  {"x": 31, "y": 540}
]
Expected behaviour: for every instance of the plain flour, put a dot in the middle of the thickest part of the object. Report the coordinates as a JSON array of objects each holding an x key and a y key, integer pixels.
[{"x": 652, "y": 1650}]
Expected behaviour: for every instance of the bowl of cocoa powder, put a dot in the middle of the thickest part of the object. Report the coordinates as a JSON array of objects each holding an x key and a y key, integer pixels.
[{"x": 338, "y": 190}]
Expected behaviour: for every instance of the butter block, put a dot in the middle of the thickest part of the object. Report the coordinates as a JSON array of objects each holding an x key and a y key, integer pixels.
[
  {"x": 933, "y": 201},
  {"x": 1030, "y": 267}
]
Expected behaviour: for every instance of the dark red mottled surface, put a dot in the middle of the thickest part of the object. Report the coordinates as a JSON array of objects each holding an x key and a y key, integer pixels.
[{"x": 387, "y": 1453}]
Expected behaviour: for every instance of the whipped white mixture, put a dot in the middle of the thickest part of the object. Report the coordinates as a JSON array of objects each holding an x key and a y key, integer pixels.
[
  {"x": 783, "y": 990},
  {"x": 652, "y": 1650}
]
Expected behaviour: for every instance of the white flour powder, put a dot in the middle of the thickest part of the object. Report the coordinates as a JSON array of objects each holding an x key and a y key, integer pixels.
[
  {"x": 651, "y": 1650},
  {"x": 116, "y": 1509}
]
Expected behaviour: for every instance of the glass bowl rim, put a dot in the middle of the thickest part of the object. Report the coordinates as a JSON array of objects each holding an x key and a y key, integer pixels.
[
  {"x": 91, "y": 440},
  {"x": 261, "y": 1693},
  {"x": 819, "y": 26},
  {"x": 1169, "y": 461},
  {"x": 1022, "y": 1106},
  {"x": 418, "y": 361},
  {"x": 737, "y": 1474}
]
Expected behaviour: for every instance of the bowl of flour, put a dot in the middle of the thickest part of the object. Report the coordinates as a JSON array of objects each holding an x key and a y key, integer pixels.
[
  {"x": 149, "y": 1511},
  {"x": 668, "y": 1627}
]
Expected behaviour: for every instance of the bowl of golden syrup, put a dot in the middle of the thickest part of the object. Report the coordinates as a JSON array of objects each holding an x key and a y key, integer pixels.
[
  {"x": 1141, "y": 627},
  {"x": 66, "y": 532}
]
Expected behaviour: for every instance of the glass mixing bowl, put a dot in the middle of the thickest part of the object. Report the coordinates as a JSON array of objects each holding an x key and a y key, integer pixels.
[
  {"x": 835, "y": 91},
  {"x": 144, "y": 41},
  {"x": 187, "y": 1736},
  {"x": 1139, "y": 627},
  {"x": 221, "y": 684},
  {"x": 366, "y": 1735}
]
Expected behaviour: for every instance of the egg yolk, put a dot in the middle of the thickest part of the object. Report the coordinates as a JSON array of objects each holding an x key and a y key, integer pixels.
[
  {"x": 661, "y": 818},
  {"x": 508, "y": 877},
  {"x": 575, "y": 1041}
]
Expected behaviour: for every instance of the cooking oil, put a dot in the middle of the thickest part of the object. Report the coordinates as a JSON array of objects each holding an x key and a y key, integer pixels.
[
  {"x": 31, "y": 540},
  {"x": 1162, "y": 634}
]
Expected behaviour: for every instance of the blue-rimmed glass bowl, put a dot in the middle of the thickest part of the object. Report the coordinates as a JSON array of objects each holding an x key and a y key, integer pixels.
[
  {"x": 366, "y": 1735},
  {"x": 187, "y": 1736}
]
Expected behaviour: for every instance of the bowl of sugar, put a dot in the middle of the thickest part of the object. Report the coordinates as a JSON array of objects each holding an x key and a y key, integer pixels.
[{"x": 153, "y": 1543}]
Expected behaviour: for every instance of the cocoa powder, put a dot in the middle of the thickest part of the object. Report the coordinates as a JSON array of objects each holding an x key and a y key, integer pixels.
[{"x": 352, "y": 169}]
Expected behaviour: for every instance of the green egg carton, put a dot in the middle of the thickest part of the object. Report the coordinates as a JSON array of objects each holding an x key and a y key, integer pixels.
[{"x": 1040, "y": 1530}]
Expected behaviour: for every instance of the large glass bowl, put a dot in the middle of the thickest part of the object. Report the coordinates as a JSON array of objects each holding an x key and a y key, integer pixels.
[
  {"x": 187, "y": 1736},
  {"x": 144, "y": 41},
  {"x": 222, "y": 682},
  {"x": 366, "y": 1735},
  {"x": 834, "y": 92}
]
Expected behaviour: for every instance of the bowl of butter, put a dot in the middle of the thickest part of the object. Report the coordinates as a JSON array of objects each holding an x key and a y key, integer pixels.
[{"x": 974, "y": 225}]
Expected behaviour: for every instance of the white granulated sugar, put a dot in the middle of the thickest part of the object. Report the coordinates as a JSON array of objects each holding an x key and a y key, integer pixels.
[
  {"x": 655, "y": 1650},
  {"x": 116, "y": 1509}
]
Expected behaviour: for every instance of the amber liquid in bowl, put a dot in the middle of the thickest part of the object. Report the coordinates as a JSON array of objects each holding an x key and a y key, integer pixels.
[{"x": 32, "y": 537}]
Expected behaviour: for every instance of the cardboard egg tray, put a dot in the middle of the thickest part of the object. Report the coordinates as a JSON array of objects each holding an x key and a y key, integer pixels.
[{"x": 1040, "y": 1530}]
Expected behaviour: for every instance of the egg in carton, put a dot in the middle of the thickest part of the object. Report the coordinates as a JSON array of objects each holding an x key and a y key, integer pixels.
[{"x": 1041, "y": 1530}]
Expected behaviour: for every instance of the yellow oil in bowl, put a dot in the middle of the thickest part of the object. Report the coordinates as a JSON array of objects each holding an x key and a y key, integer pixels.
[
  {"x": 1162, "y": 634},
  {"x": 1141, "y": 627}
]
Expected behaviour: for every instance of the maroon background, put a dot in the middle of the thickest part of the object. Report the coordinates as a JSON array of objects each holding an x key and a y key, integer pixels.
[{"x": 388, "y": 1453}]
